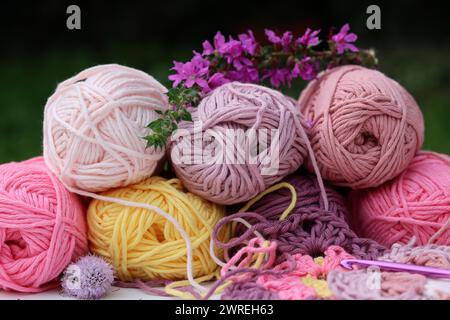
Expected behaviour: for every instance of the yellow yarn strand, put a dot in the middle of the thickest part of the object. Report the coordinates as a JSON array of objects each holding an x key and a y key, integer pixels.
[
  {"x": 319, "y": 285},
  {"x": 143, "y": 245},
  {"x": 273, "y": 188}
]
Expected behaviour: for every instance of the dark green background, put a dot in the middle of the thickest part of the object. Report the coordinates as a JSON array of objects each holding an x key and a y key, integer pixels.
[{"x": 37, "y": 50}]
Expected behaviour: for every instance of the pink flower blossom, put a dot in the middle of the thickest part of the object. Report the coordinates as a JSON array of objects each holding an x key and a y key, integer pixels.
[
  {"x": 278, "y": 76},
  {"x": 309, "y": 39},
  {"x": 192, "y": 72},
  {"x": 208, "y": 48},
  {"x": 343, "y": 40},
  {"x": 246, "y": 74},
  {"x": 248, "y": 42},
  {"x": 216, "y": 80},
  {"x": 233, "y": 52},
  {"x": 305, "y": 69},
  {"x": 284, "y": 41}
]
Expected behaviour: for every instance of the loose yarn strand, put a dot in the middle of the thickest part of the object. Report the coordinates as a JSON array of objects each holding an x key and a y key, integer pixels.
[
  {"x": 311, "y": 154},
  {"x": 316, "y": 169},
  {"x": 133, "y": 204},
  {"x": 270, "y": 190},
  {"x": 211, "y": 243},
  {"x": 439, "y": 232}
]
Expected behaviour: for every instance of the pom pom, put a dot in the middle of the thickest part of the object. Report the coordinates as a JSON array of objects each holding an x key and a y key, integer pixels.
[
  {"x": 90, "y": 277},
  {"x": 365, "y": 127},
  {"x": 415, "y": 204},
  {"x": 233, "y": 108},
  {"x": 94, "y": 126},
  {"x": 42, "y": 227}
]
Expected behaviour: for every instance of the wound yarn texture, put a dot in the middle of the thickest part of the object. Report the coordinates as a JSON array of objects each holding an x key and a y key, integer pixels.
[
  {"x": 239, "y": 106},
  {"x": 42, "y": 227},
  {"x": 417, "y": 203},
  {"x": 142, "y": 244},
  {"x": 94, "y": 126},
  {"x": 366, "y": 128}
]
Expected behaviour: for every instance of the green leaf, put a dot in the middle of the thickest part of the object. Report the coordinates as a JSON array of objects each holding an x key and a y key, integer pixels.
[
  {"x": 186, "y": 116},
  {"x": 155, "y": 125}
]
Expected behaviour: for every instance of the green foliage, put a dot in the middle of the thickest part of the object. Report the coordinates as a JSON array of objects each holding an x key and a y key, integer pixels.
[{"x": 25, "y": 86}]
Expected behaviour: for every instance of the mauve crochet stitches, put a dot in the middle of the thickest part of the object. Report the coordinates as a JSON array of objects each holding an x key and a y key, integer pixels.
[{"x": 308, "y": 229}]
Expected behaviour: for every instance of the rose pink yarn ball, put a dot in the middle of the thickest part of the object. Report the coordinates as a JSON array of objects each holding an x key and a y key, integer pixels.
[
  {"x": 42, "y": 227},
  {"x": 365, "y": 127},
  {"x": 239, "y": 107},
  {"x": 416, "y": 203},
  {"x": 94, "y": 126}
]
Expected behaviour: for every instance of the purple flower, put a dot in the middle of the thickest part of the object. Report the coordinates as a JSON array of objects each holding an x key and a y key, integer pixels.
[
  {"x": 343, "y": 40},
  {"x": 192, "y": 72},
  {"x": 217, "y": 80},
  {"x": 284, "y": 41},
  {"x": 219, "y": 41},
  {"x": 233, "y": 52},
  {"x": 248, "y": 42},
  {"x": 309, "y": 39},
  {"x": 89, "y": 278},
  {"x": 278, "y": 76},
  {"x": 246, "y": 74},
  {"x": 305, "y": 69}
]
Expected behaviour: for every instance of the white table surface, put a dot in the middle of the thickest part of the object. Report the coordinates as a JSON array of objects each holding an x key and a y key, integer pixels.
[{"x": 115, "y": 294}]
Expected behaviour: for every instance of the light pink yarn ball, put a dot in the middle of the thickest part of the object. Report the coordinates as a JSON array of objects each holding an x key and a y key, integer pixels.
[
  {"x": 42, "y": 227},
  {"x": 416, "y": 203},
  {"x": 365, "y": 127},
  {"x": 94, "y": 126},
  {"x": 237, "y": 107}
]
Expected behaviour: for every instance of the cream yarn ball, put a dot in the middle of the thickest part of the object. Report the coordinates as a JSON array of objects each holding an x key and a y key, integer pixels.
[{"x": 94, "y": 126}]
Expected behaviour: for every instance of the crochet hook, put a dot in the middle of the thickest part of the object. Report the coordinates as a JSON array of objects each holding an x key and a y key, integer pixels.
[{"x": 395, "y": 266}]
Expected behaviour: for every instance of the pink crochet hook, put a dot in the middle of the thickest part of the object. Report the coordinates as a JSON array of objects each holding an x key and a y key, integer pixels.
[{"x": 394, "y": 266}]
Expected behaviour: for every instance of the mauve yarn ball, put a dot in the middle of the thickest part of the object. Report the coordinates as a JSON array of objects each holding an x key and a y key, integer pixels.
[
  {"x": 238, "y": 106},
  {"x": 415, "y": 204},
  {"x": 42, "y": 227},
  {"x": 94, "y": 125},
  {"x": 365, "y": 127}
]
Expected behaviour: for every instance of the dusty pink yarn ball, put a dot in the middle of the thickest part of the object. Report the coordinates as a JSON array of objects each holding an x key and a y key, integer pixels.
[
  {"x": 237, "y": 106},
  {"x": 365, "y": 127},
  {"x": 94, "y": 126},
  {"x": 42, "y": 227},
  {"x": 416, "y": 203}
]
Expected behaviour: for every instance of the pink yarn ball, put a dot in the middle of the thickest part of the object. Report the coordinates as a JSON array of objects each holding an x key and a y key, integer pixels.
[
  {"x": 238, "y": 106},
  {"x": 365, "y": 127},
  {"x": 42, "y": 227},
  {"x": 94, "y": 126},
  {"x": 416, "y": 203}
]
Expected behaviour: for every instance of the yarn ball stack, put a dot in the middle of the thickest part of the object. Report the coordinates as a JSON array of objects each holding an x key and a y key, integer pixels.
[
  {"x": 353, "y": 126},
  {"x": 365, "y": 127},
  {"x": 141, "y": 244},
  {"x": 239, "y": 106},
  {"x": 42, "y": 227},
  {"x": 417, "y": 204},
  {"x": 94, "y": 126}
]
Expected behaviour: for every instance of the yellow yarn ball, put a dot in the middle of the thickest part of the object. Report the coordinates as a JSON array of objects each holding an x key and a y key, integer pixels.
[{"x": 142, "y": 244}]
